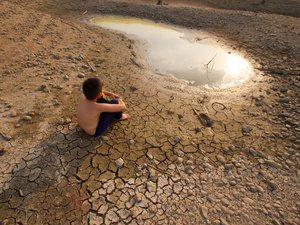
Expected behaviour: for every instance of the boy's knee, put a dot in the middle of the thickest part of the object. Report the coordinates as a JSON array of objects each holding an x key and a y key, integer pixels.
[{"x": 114, "y": 101}]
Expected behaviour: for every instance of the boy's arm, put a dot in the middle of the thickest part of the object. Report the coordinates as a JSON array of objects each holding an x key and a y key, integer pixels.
[
  {"x": 103, "y": 107},
  {"x": 113, "y": 95}
]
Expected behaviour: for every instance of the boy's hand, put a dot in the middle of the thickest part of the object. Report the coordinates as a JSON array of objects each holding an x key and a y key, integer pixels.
[
  {"x": 110, "y": 94},
  {"x": 120, "y": 101},
  {"x": 115, "y": 96}
]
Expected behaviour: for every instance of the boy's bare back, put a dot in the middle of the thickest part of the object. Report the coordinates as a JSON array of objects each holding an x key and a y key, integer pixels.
[{"x": 88, "y": 113}]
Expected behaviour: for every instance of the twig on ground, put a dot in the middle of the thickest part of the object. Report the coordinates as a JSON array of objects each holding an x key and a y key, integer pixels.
[
  {"x": 203, "y": 153},
  {"x": 72, "y": 25},
  {"x": 201, "y": 102},
  {"x": 280, "y": 71},
  {"x": 159, "y": 170},
  {"x": 224, "y": 107},
  {"x": 178, "y": 171},
  {"x": 203, "y": 118},
  {"x": 4, "y": 136}
]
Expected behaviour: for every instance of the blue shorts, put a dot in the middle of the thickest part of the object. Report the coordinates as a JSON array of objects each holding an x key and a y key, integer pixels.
[{"x": 106, "y": 118}]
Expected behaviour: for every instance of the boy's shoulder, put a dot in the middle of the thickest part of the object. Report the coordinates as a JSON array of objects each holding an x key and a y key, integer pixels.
[{"x": 84, "y": 101}]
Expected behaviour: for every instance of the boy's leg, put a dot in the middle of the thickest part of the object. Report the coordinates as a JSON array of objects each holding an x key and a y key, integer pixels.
[
  {"x": 118, "y": 115},
  {"x": 106, "y": 118}
]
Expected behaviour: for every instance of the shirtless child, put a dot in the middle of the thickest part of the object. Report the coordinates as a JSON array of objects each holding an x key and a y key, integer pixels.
[{"x": 94, "y": 112}]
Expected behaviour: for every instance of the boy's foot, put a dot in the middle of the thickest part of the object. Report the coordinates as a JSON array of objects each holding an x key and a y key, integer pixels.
[{"x": 124, "y": 117}]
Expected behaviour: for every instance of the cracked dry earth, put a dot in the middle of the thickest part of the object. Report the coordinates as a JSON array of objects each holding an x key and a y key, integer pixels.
[{"x": 165, "y": 165}]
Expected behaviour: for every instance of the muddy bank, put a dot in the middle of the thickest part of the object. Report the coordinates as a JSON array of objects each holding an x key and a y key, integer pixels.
[{"x": 287, "y": 8}]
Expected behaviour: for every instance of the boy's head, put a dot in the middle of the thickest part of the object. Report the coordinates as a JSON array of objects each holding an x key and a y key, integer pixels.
[{"x": 91, "y": 88}]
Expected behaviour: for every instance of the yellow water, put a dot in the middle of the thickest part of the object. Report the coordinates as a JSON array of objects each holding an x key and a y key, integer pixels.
[{"x": 170, "y": 52}]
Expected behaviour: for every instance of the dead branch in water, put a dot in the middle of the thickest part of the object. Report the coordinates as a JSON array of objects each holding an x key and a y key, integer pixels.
[
  {"x": 207, "y": 64},
  {"x": 210, "y": 60}
]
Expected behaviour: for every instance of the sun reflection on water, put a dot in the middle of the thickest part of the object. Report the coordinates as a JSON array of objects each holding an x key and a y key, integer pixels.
[{"x": 236, "y": 64}]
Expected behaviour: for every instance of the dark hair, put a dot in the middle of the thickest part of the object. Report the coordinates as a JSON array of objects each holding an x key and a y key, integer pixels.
[{"x": 91, "y": 88}]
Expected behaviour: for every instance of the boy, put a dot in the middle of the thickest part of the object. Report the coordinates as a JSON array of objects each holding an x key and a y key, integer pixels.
[{"x": 94, "y": 112}]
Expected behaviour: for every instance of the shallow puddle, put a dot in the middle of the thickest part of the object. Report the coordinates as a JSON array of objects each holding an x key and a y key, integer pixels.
[{"x": 170, "y": 52}]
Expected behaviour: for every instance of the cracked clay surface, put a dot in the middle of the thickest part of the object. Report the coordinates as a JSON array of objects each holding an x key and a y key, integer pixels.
[{"x": 187, "y": 155}]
